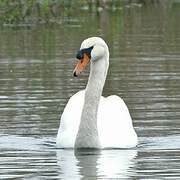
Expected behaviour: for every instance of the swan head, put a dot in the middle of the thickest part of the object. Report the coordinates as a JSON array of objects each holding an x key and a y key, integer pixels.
[{"x": 91, "y": 50}]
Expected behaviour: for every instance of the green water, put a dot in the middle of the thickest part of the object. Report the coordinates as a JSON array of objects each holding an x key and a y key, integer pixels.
[{"x": 36, "y": 64}]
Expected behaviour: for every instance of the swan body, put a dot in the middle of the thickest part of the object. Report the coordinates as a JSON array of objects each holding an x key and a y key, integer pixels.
[{"x": 90, "y": 120}]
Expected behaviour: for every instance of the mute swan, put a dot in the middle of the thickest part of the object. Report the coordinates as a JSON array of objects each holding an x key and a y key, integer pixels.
[{"x": 90, "y": 120}]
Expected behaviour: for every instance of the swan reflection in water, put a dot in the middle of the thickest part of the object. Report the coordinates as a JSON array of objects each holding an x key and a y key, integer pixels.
[{"x": 96, "y": 163}]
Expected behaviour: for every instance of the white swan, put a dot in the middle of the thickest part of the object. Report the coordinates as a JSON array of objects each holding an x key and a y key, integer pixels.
[{"x": 89, "y": 120}]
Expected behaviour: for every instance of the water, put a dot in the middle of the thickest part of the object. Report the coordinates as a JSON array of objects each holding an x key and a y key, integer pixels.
[{"x": 36, "y": 82}]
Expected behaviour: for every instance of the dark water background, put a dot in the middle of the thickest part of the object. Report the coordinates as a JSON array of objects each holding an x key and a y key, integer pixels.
[{"x": 36, "y": 81}]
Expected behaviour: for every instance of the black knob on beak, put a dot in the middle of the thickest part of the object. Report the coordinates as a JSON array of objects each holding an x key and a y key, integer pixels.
[{"x": 79, "y": 55}]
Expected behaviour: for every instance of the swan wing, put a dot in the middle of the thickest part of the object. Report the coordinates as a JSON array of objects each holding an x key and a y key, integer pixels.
[
  {"x": 115, "y": 126},
  {"x": 70, "y": 120}
]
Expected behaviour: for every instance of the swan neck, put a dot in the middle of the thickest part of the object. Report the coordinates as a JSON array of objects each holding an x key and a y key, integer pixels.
[
  {"x": 88, "y": 134},
  {"x": 94, "y": 86}
]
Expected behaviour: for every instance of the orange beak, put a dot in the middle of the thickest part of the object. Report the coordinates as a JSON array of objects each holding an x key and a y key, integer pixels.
[{"x": 81, "y": 65}]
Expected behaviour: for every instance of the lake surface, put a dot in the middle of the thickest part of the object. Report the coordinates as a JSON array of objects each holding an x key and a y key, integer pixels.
[{"x": 36, "y": 64}]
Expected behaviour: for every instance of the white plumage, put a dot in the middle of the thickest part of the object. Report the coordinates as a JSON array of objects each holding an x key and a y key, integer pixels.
[{"x": 90, "y": 120}]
